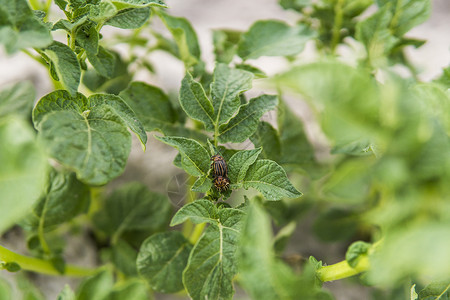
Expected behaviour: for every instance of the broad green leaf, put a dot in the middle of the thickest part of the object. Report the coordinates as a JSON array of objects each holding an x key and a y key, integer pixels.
[
  {"x": 212, "y": 262},
  {"x": 194, "y": 158},
  {"x": 88, "y": 135},
  {"x": 417, "y": 250},
  {"x": 227, "y": 85},
  {"x": 267, "y": 138},
  {"x": 132, "y": 207},
  {"x": 87, "y": 37},
  {"x": 23, "y": 170},
  {"x": 202, "y": 184},
  {"x": 95, "y": 287},
  {"x": 195, "y": 103},
  {"x": 65, "y": 198},
  {"x": 336, "y": 224},
  {"x": 20, "y": 28},
  {"x": 225, "y": 44},
  {"x": 123, "y": 256},
  {"x": 274, "y": 38},
  {"x": 240, "y": 162},
  {"x": 245, "y": 123},
  {"x": 131, "y": 18},
  {"x": 355, "y": 251},
  {"x": 261, "y": 274},
  {"x": 103, "y": 61},
  {"x": 377, "y": 37},
  {"x": 17, "y": 99},
  {"x": 270, "y": 179},
  {"x": 162, "y": 259},
  {"x": 131, "y": 289},
  {"x": 103, "y": 11},
  {"x": 184, "y": 36},
  {"x": 66, "y": 294},
  {"x": 65, "y": 64},
  {"x": 69, "y": 26},
  {"x": 406, "y": 13},
  {"x": 199, "y": 211},
  {"x": 439, "y": 290},
  {"x": 123, "y": 4}
]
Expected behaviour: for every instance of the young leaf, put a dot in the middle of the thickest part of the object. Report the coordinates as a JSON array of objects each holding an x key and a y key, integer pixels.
[
  {"x": 439, "y": 290},
  {"x": 23, "y": 170},
  {"x": 273, "y": 38},
  {"x": 65, "y": 198},
  {"x": 17, "y": 99},
  {"x": 408, "y": 13},
  {"x": 195, "y": 103},
  {"x": 199, "y": 211},
  {"x": 66, "y": 294},
  {"x": 184, "y": 36},
  {"x": 123, "y": 4},
  {"x": 240, "y": 162},
  {"x": 130, "y": 18},
  {"x": 132, "y": 207},
  {"x": 270, "y": 179},
  {"x": 65, "y": 64},
  {"x": 267, "y": 138},
  {"x": 87, "y": 37},
  {"x": 355, "y": 251},
  {"x": 103, "y": 61},
  {"x": 212, "y": 262},
  {"x": 245, "y": 123},
  {"x": 162, "y": 259},
  {"x": 103, "y": 11},
  {"x": 20, "y": 28},
  {"x": 225, "y": 44},
  {"x": 95, "y": 287},
  {"x": 194, "y": 158},
  {"x": 225, "y": 89},
  {"x": 96, "y": 141}
]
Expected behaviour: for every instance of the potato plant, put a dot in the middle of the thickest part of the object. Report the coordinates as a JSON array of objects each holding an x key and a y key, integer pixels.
[{"x": 382, "y": 188}]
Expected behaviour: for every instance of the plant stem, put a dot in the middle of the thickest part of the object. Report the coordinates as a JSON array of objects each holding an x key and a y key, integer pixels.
[
  {"x": 343, "y": 270},
  {"x": 337, "y": 25},
  {"x": 36, "y": 58},
  {"x": 40, "y": 265},
  {"x": 196, "y": 233}
]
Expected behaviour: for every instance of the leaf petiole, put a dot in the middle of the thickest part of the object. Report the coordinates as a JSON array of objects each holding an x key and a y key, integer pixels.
[
  {"x": 342, "y": 270},
  {"x": 40, "y": 265}
]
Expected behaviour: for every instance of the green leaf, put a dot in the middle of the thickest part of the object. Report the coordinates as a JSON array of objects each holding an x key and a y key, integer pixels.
[
  {"x": 66, "y": 65},
  {"x": 135, "y": 290},
  {"x": 87, "y": 37},
  {"x": 199, "y": 211},
  {"x": 270, "y": 179},
  {"x": 202, "y": 184},
  {"x": 123, "y": 256},
  {"x": 439, "y": 290},
  {"x": 66, "y": 294},
  {"x": 297, "y": 5},
  {"x": 132, "y": 207},
  {"x": 335, "y": 224},
  {"x": 240, "y": 162},
  {"x": 225, "y": 44},
  {"x": 5, "y": 290},
  {"x": 407, "y": 13},
  {"x": 17, "y": 99},
  {"x": 195, "y": 103},
  {"x": 95, "y": 287},
  {"x": 274, "y": 38},
  {"x": 20, "y": 28},
  {"x": 102, "y": 11},
  {"x": 212, "y": 262},
  {"x": 355, "y": 251},
  {"x": 23, "y": 170},
  {"x": 377, "y": 37},
  {"x": 227, "y": 85},
  {"x": 131, "y": 18},
  {"x": 184, "y": 36},
  {"x": 123, "y": 4},
  {"x": 162, "y": 259},
  {"x": 267, "y": 138},
  {"x": 65, "y": 198},
  {"x": 87, "y": 135},
  {"x": 194, "y": 158},
  {"x": 103, "y": 61},
  {"x": 245, "y": 123}
]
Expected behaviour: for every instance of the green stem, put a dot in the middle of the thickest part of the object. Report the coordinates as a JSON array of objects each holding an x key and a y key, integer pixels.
[
  {"x": 36, "y": 58},
  {"x": 35, "y": 4},
  {"x": 339, "y": 14},
  {"x": 40, "y": 265},
  {"x": 196, "y": 233},
  {"x": 343, "y": 270}
]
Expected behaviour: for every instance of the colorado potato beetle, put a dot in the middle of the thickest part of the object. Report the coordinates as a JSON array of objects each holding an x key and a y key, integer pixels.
[
  {"x": 219, "y": 166},
  {"x": 221, "y": 183}
]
